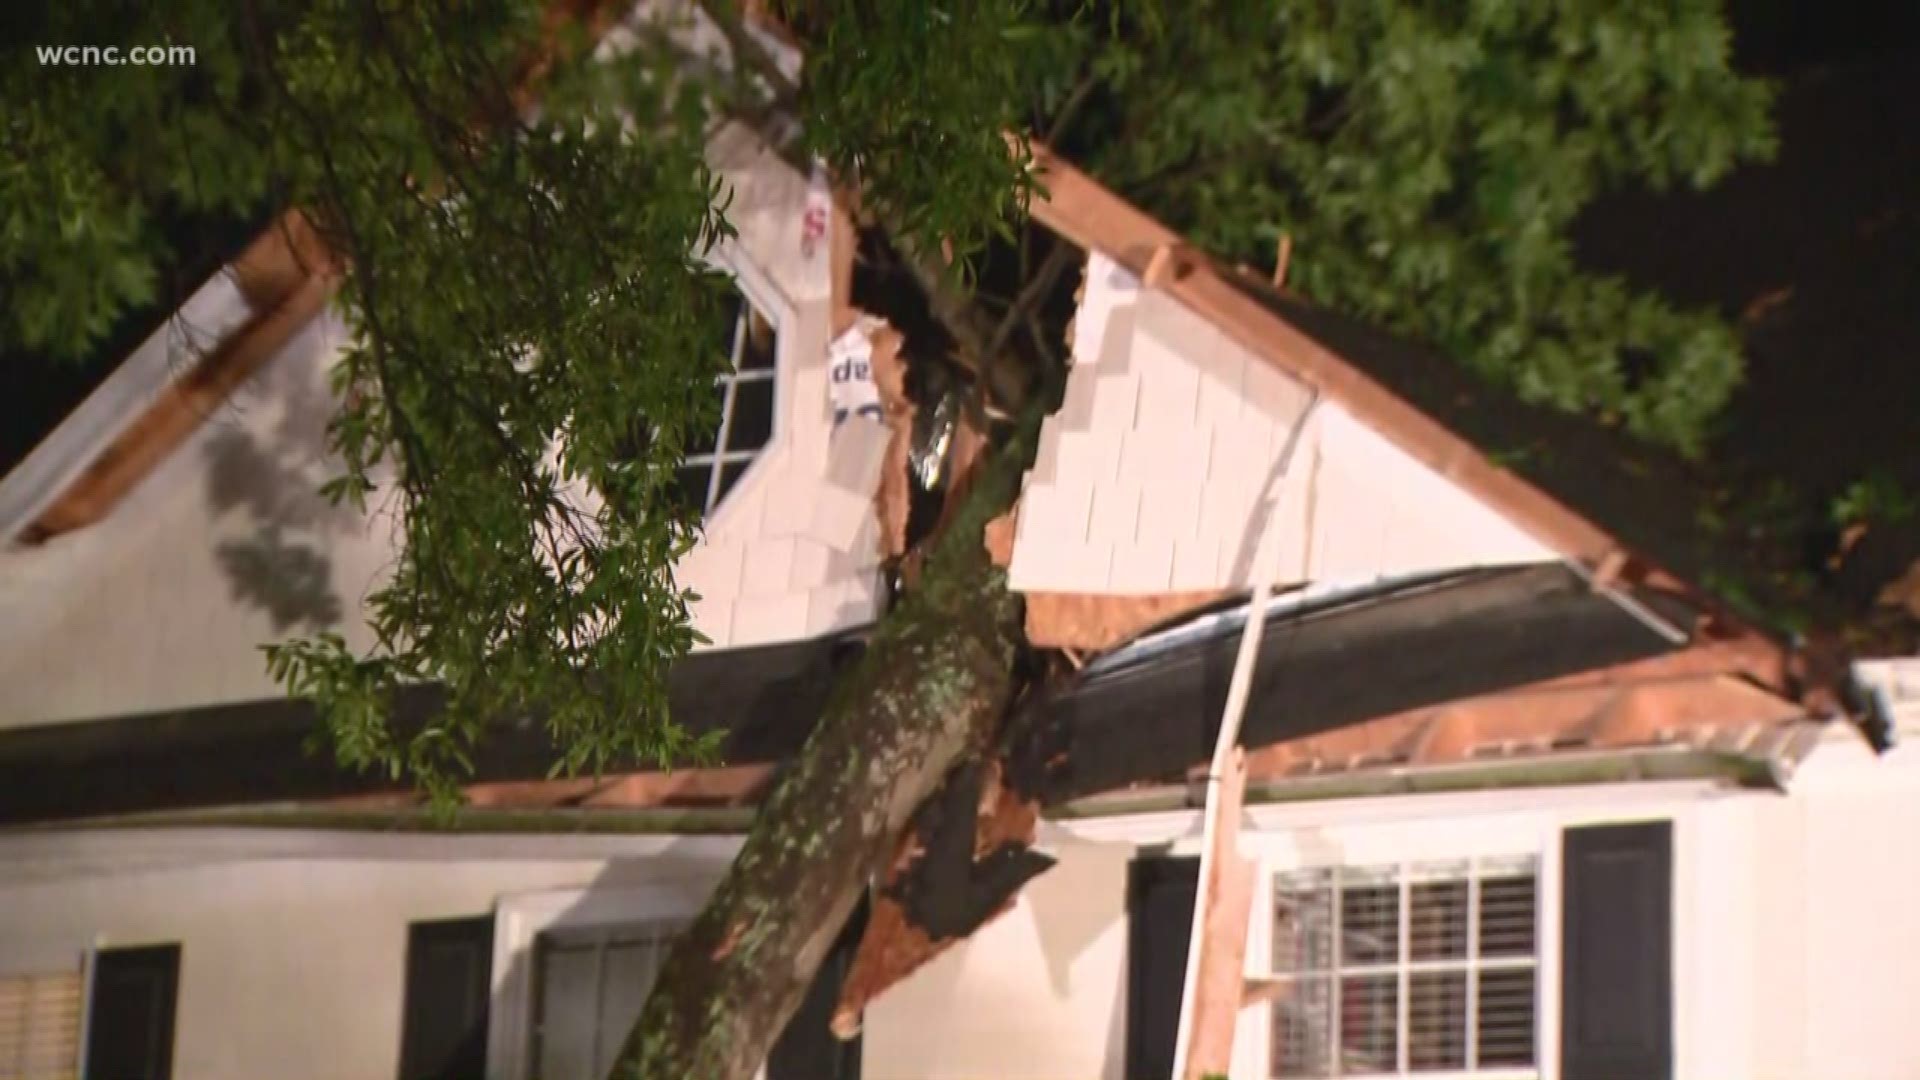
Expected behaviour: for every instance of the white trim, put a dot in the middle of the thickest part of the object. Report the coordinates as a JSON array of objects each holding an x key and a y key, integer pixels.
[
  {"x": 758, "y": 289},
  {"x": 1253, "y": 1042},
  {"x": 1565, "y": 805},
  {"x": 519, "y": 920},
  {"x": 213, "y": 312}
]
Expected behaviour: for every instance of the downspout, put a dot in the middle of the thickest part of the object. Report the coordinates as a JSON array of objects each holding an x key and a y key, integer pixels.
[{"x": 1266, "y": 565}]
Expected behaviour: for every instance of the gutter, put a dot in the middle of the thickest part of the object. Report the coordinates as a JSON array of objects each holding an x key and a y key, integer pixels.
[{"x": 1558, "y": 769}]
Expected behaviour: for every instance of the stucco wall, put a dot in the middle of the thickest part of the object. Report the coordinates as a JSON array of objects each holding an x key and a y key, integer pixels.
[
  {"x": 1796, "y": 929},
  {"x": 288, "y": 969},
  {"x": 1859, "y": 945}
]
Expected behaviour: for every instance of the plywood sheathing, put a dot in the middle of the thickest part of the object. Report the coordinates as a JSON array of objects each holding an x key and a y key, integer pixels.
[
  {"x": 286, "y": 275},
  {"x": 1698, "y": 698},
  {"x": 998, "y": 537},
  {"x": 1220, "y": 983},
  {"x": 892, "y": 499},
  {"x": 1097, "y": 622}
]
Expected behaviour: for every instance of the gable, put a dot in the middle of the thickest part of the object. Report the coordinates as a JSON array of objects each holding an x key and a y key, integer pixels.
[
  {"x": 1154, "y": 474},
  {"x": 225, "y": 544}
]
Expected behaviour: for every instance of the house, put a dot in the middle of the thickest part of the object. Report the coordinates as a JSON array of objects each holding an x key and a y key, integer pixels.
[{"x": 1522, "y": 802}]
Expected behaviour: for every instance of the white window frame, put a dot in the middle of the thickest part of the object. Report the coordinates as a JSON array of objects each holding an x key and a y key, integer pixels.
[
  {"x": 757, "y": 289},
  {"x": 519, "y": 921},
  {"x": 1404, "y": 872}
]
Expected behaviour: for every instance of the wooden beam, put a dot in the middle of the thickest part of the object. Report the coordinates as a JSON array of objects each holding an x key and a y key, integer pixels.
[{"x": 1219, "y": 989}]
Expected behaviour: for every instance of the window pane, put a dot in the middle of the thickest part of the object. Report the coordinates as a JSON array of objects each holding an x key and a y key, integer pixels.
[
  {"x": 1369, "y": 1023},
  {"x": 1303, "y": 1029},
  {"x": 1369, "y": 919},
  {"x": 730, "y": 474},
  {"x": 1438, "y": 920},
  {"x": 690, "y": 485},
  {"x": 565, "y": 1003},
  {"x": 631, "y": 967},
  {"x": 1507, "y": 916},
  {"x": 757, "y": 351},
  {"x": 752, "y": 414},
  {"x": 733, "y": 306},
  {"x": 1437, "y": 1021},
  {"x": 1302, "y": 922},
  {"x": 702, "y": 441},
  {"x": 1506, "y": 1017}
]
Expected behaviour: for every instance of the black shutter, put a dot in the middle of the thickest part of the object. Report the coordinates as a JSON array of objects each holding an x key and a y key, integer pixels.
[
  {"x": 1160, "y": 898},
  {"x": 130, "y": 1017},
  {"x": 443, "y": 1032},
  {"x": 808, "y": 1048},
  {"x": 1616, "y": 982}
]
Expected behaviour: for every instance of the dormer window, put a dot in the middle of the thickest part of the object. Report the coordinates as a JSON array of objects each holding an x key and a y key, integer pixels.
[{"x": 715, "y": 463}]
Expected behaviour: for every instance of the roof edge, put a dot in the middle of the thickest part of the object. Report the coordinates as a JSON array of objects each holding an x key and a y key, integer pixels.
[{"x": 168, "y": 386}]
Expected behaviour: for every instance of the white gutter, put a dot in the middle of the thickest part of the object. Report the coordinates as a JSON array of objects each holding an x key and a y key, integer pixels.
[{"x": 1266, "y": 566}]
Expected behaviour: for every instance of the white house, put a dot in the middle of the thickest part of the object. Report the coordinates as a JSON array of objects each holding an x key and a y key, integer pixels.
[{"x": 1522, "y": 804}]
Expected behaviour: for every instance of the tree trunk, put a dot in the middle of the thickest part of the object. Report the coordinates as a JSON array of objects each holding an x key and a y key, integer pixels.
[{"x": 927, "y": 695}]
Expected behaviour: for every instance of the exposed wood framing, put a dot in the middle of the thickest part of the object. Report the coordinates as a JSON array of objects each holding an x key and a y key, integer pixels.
[{"x": 1220, "y": 985}]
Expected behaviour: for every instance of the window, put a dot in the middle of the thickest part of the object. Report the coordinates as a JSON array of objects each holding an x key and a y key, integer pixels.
[
  {"x": 130, "y": 1016},
  {"x": 40, "y": 1026},
  {"x": 1399, "y": 970},
  {"x": 443, "y": 1026},
  {"x": 589, "y": 985},
  {"x": 714, "y": 464}
]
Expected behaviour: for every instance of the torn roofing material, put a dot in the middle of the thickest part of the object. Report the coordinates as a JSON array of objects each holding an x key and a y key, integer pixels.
[{"x": 1323, "y": 666}]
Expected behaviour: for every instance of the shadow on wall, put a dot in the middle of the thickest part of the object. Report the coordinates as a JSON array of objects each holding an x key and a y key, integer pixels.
[{"x": 265, "y": 470}]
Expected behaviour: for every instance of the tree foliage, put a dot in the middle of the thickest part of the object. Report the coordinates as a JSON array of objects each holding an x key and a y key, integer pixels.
[{"x": 1429, "y": 160}]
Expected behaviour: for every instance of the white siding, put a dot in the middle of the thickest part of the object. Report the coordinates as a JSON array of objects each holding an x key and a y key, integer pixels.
[{"x": 1156, "y": 467}]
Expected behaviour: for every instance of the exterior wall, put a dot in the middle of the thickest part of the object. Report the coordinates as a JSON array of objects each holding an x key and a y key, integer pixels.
[
  {"x": 1038, "y": 994},
  {"x": 226, "y": 545},
  {"x": 1796, "y": 938},
  {"x": 1796, "y": 927},
  {"x": 1154, "y": 473},
  {"x": 295, "y": 967},
  {"x": 1859, "y": 940}
]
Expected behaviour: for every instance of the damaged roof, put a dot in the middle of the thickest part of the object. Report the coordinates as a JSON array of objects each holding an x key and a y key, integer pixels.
[
  {"x": 1348, "y": 681},
  {"x": 1402, "y": 673}
]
